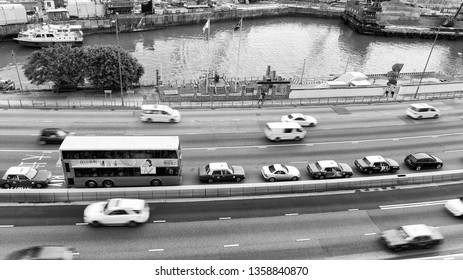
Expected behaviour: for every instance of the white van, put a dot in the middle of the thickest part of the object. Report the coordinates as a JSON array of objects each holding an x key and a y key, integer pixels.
[
  {"x": 276, "y": 131},
  {"x": 159, "y": 113}
]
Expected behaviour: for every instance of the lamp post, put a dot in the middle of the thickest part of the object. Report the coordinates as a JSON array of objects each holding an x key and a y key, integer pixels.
[
  {"x": 426, "y": 65},
  {"x": 119, "y": 61}
]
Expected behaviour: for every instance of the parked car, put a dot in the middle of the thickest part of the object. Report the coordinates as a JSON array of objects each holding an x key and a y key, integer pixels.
[
  {"x": 411, "y": 236},
  {"x": 54, "y": 252},
  {"x": 220, "y": 172},
  {"x": 280, "y": 172},
  {"x": 53, "y": 136},
  {"x": 276, "y": 131},
  {"x": 419, "y": 161},
  {"x": 422, "y": 111},
  {"x": 117, "y": 211},
  {"x": 25, "y": 176},
  {"x": 376, "y": 164},
  {"x": 455, "y": 206},
  {"x": 329, "y": 169},
  {"x": 7, "y": 85},
  {"x": 301, "y": 119},
  {"x": 159, "y": 113}
]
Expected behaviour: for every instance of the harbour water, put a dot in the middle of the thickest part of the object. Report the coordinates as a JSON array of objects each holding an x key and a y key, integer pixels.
[{"x": 324, "y": 46}]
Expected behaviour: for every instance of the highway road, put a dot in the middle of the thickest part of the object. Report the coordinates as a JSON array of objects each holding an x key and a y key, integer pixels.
[{"x": 236, "y": 136}]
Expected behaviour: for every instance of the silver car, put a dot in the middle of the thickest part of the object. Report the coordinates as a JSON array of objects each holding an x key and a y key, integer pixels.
[{"x": 280, "y": 172}]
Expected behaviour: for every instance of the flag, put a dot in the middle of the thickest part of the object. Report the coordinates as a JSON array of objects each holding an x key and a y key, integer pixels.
[
  {"x": 239, "y": 25},
  {"x": 208, "y": 27}
]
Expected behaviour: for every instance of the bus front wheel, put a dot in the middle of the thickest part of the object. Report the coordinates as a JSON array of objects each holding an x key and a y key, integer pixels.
[
  {"x": 156, "y": 182},
  {"x": 108, "y": 184},
  {"x": 91, "y": 184}
]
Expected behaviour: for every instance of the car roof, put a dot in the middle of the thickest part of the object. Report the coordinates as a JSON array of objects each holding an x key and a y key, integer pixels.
[
  {"x": 327, "y": 163},
  {"x": 126, "y": 203},
  {"x": 422, "y": 155},
  {"x": 155, "y": 107},
  {"x": 375, "y": 158},
  {"x": 297, "y": 115},
  {"x": 283, "y": 125},
  {"x": 421, "y": 105},
  {"x": 18, "y": 170},
  {"x": 218, "y": 165},
  {"x": 278, "y": 167},
  {"x": 417, "y": 230}
]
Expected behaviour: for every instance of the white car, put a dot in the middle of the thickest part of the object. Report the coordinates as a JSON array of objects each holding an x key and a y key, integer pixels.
[
  {"x": 117, "y": 211},
  {"x": 280, "y": 172},
  {"x": 422, "y": 111},
  {"x": 159, "y": 113},
  {"x": 455, "y": 206},
  {"x": 303, "y": 120}
]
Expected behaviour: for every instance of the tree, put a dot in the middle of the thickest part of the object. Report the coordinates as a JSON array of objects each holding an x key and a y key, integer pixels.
[
  {"x": 60, "y": 64},
  {"x": 103, "y": 67}
]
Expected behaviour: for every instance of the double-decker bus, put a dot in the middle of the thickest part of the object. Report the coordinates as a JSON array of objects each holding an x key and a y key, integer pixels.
[{"x": 121, "y": 161}]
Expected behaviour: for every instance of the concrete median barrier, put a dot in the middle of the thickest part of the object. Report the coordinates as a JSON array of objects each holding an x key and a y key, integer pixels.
[{"x": 226, "y": 190}]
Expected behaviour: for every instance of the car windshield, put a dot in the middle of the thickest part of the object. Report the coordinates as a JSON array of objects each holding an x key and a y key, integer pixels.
[
  {"x": 402, "y": 232},
  {"x": 412, "y": 158},
  {"x": 231, "y": 169},
  {"x": 207, "y": 168},
  {"x": 31, "y": 173},
  {"x": 271, "y": 168},
  {"x": 366, "y": 161}
]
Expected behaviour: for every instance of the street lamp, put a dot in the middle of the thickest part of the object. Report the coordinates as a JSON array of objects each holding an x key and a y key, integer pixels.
[
  {"x": 426, "y": 65},
  {"x": 119, "y": 61}
]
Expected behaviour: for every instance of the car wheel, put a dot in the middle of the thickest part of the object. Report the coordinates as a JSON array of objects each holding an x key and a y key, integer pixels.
[
  {"x": 149, "y": 120},
  {"x": 132, "y": 224},
  {"x": 271, "y": 179},
  {"x": 172, "y": 120},
  {"x": 95, "y": 224},
  {"x": 394, "y": 170},
  {"x": 156, "y": 182},
  {"x": 91, "y": 184},
  {"x": 277, "y": 139},
  {"x": 428, "y": 246},
  {"x": 420, "y": 117},
  {"x": 346, "y": 175},
  {"x": 238, "y": 179},
  {"x": 370, "y": 171},
  {"x": 39, "y": 185},
  {"x": 311, "y": 124},
  {"x": 297, "y": 138},
  {"x": 418, "y": 168},
  {"x": 436, "y": 116},
  {"x": 6, "y": 186},
  {"x": 439, "y": 166},
  {"x": 321, "y": 177},
  {"x": 295, "y": 178},
  {"x": 396, "y": 249},
  {"x": 108, "y": 184},
  {"x": 42, "y": 142},
  {"x": 210, "y": 181}
]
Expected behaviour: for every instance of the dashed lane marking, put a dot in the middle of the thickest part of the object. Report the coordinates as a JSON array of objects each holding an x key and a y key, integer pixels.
[
  {"x": 225, "y": 218},
  {"x": 302, "y": 239},
  {"x": 156, "y": 250},
  {"x": 292, "y": 214},
  {"x": 231, "y": 245},
  {"x": 410, "y": 205},
  {"x": 6, "y": 226},
  {"x": 354, "y": 209},
  {"x": 81, "y": 224},
  {"x": 370, "y": 233},
  {"x": 159, "y": 221}
]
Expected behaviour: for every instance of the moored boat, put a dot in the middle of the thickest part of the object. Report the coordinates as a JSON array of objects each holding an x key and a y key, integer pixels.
[{"x": 51, "y": 34}]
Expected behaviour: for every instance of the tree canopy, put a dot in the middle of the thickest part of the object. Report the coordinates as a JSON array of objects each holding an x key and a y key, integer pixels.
[{"x": 68, "y": 67}]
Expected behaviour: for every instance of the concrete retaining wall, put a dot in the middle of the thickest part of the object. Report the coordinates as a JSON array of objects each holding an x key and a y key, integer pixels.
[{"x": 229, "y": 190}]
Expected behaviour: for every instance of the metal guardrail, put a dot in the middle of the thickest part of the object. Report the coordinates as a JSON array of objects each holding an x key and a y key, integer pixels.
[{"x": 229, "y": 190}]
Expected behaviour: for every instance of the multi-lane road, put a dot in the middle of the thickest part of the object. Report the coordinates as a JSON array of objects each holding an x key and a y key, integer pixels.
[{"x": 342, "y": 226}]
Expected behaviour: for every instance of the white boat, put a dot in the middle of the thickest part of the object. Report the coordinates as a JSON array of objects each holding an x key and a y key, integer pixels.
[{"x": 51, "y": 34}]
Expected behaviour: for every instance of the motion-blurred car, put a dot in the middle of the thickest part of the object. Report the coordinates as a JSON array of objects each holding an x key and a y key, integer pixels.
[
  {"x": 26, "y": 177},
  {"x": 117, "y": 211},
  {"x": 376, "y": 164},
  {"x": 411, "y": 236},
  {"x": 419, "y": 161},
  {"x": 280, "y": 172},
  {"x": 422, "y": 111},
  {"x": 302, "y": 119},
  {"x": 53, "y": 136},
  {"x": 220, "y": 172},
  {"x": 329, "y": 169},
  {"x": 6, "y": 85},
  {"x": 54, "y": 252},
  {"x": 159, "y": 113},
  {"x": 455, "y": 207}
]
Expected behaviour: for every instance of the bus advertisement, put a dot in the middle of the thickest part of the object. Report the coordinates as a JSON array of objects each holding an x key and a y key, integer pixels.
[{"x": 121, "y": 161}]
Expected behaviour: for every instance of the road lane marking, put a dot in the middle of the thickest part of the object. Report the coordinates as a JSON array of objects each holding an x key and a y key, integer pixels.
[
  {"x": 81, "y": 224},
  {"x": 6, "y": 226},
  {"x": 75, "y": 254},
  {"x": 370, "y": 233},
  {"x": 451, "y": 256},
  {"x": 292, "y": 214},
  {"x": 453, "y": 151},
  {"x": 353, "y": 209},
  {"x": 159, "y": 221},
  {"x": 302, "y": 239},
  {"x": 409, "y": 205},
  {"x": 231, "y": 245},
  {"x": 155, "y": 250},
  {"x": 225, "y": 218}
]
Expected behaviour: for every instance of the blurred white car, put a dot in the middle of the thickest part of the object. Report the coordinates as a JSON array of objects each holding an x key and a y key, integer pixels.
[
  {"x": 422, "y": 111},
  {"x": 117, "y": 211},
  {"x": 53, "y": 252},
  {"x": 303, "y": 120},
  {"x": 280, "y": 172},
  {"x": 455, "y": 206}
]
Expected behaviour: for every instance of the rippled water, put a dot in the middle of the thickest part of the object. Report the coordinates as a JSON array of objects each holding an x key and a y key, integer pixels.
[{"x": 326, "y": 45}]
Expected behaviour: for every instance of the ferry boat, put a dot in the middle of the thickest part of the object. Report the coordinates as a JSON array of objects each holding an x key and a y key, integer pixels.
[{"x": 51, "y": 34}]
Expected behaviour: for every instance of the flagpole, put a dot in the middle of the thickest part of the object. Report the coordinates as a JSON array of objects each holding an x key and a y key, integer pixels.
[
  {"x": 239, "y": 48},
  {"x": 17, "y": 71}
]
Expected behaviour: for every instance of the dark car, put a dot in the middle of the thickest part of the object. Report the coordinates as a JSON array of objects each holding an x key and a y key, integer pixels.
[
  {"x": 419, "y": 161},
  {"x": 221, "y": 171},
  {"x": 54, "y": 252},
  {"x": 376, "y": 164},
  {"x": 52, "y": 135}
]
